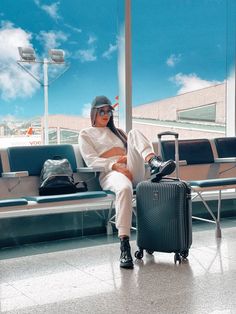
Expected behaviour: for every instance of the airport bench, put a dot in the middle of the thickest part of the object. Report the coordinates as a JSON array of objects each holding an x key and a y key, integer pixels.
[
  {"x": 19, "y": 182},
  {"x": 20, "y": 169}
]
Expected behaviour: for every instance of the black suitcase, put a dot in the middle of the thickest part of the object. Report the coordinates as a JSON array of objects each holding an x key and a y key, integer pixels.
[{"x": 164, "y": 215}]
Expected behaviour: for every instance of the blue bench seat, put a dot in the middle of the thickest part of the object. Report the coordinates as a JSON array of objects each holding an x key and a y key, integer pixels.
[
  {"x": 66, "y": 197},
  {"x": 213, "y": 182},
  {"x": 13, "y": 202}
]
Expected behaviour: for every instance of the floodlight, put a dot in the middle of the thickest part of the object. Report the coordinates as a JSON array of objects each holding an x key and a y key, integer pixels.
[
  {"x": 57, "y": 55},
  {"x": 27, "y": 53}
]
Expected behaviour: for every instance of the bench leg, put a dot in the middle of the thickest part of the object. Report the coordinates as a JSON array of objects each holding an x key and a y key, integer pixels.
[
  {"x": 218, "y": 228},
  {"x": 110, "y": 220},
  {"x": 109, "y": 228},
  {"x": 215, "y": 220}
]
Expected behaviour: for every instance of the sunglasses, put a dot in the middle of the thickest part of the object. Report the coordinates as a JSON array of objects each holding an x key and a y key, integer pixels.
[{"x": 103, "y": 112}]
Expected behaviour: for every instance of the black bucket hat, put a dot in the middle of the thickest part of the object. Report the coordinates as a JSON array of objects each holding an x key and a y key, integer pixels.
[{"x": 101, "y": 101}]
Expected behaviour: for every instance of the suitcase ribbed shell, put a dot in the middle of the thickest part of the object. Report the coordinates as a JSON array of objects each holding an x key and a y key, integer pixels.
[{"x": 164, "y": 216}]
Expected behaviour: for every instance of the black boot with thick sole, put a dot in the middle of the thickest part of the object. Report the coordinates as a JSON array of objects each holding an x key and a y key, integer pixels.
[
  {"x": 160, "y": 168},
  {"x": 126, "y": 260}
]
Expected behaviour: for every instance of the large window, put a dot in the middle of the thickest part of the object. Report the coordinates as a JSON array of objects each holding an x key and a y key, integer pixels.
[
  {"x": 183, "y": 58},
  {"x": 181, "y": 66},
  {"x": 87, "y": 30}
]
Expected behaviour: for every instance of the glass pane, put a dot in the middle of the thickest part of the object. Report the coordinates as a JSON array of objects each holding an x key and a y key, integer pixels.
[
  {"x": 87, "y": 31},
  {"x": 202, "y": 113},
  {"x": 181, "y": 66}
]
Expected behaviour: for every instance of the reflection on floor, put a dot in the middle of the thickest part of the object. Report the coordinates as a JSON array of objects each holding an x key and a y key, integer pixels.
[{"x": 83, "y": 276}]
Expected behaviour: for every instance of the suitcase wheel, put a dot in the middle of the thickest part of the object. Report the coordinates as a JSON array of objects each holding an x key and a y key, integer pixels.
[
  {"x": 139, "y": 254},
  {"x": 177, "y": 258},
  {"x": 150, "y": 252},
  {"x": 184, "y": 254}
]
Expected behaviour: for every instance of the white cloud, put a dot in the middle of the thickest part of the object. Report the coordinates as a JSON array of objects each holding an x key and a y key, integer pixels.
[
  {"x": 51, "y": 39},
  {"x": 112, "y": 48},
  {"x": 86, "y": 110},
  {"x": 51, "y": 10},
  {"x": 86, "y": 55},
  {"x": 75, "y": 29},
  {"x": 9, "y": 118},
  {"x": 173, "y": 60},
  {"x": 91, "y": 39},
  {"x": 14, "y": 82},
  {"x": 191, "y": 82}
]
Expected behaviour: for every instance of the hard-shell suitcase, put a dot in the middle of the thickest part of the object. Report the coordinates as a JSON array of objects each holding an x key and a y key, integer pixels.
[{"x": 164, "y": 215}]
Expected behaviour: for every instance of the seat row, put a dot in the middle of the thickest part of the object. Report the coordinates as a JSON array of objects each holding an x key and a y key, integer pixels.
[
  {"x": 20, "y": 169},
  {"x": 206, "y": 165}
]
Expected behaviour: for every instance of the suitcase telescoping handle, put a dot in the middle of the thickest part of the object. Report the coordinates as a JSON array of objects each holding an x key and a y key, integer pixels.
[{"x": 176, "y": 135}]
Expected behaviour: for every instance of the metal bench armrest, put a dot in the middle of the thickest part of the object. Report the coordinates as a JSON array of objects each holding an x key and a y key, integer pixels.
[
  {"x": 90, "y": 169},
  {"x": 225, "y": 160},
  {"x": 15, "y": 174},
  {"x": 183, "y": 162}
]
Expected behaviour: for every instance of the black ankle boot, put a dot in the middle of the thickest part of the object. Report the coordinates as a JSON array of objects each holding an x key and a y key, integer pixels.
[
  {"x": 126, "y": 260},
  {"x": 161, "y": 168}
]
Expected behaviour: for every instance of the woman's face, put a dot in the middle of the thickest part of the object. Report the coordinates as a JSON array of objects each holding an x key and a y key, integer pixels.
[{"x": 103, "y": 116}]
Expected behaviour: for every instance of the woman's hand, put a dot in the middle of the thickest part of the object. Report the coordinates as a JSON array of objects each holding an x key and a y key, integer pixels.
[
  {"x": 122, "y": 160},
  {"x": 120, "y": 168}
]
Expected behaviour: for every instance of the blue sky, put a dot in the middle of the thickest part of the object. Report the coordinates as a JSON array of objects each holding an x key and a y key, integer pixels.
[{"x": 177, "y": 46}]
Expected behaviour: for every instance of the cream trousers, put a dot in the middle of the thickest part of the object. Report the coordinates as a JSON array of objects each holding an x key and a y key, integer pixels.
[{"x": 137, "y": 150}]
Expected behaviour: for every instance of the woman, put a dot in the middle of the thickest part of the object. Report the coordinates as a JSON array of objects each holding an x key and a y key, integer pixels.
[{"x": 122, "y": 157}]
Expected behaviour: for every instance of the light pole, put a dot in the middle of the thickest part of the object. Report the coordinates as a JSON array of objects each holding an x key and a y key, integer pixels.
[
  {"x": 45, "y": 86},
  {"x": 27, "y": 55}
]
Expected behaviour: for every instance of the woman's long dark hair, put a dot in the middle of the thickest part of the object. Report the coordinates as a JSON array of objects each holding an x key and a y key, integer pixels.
[{"x": 118, "y": 132}]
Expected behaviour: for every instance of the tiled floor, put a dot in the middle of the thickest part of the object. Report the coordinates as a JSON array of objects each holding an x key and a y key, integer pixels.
[{"x": 83, "y": 276}]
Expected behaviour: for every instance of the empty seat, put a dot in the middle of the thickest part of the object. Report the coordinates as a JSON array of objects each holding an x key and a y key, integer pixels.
[
  {"x": 196, "y": 151},
  {"x": 225, "y": 146}
]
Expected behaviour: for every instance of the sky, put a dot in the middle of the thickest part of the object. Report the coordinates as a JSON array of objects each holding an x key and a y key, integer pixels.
[{"x": 177, "y": 46}]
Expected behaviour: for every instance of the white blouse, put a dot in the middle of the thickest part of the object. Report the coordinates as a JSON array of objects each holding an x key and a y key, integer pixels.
[{"x": 93, "y": 142}]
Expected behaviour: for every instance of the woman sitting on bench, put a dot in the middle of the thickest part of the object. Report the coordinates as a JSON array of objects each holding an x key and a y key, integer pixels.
[{"x": 122, "y": 157}]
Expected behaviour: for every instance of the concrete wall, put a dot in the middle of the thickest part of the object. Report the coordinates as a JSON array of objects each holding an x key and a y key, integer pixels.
[{"x": 166, "y": 109}]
